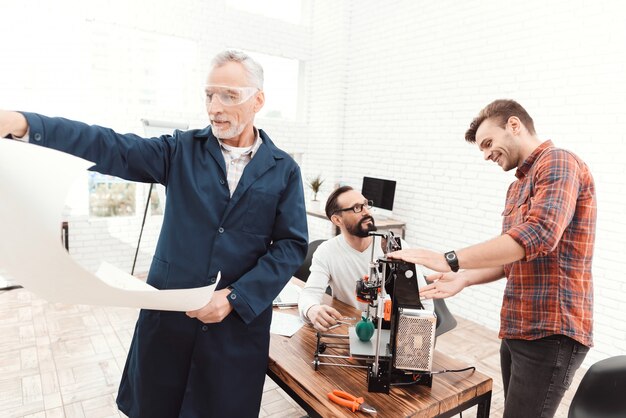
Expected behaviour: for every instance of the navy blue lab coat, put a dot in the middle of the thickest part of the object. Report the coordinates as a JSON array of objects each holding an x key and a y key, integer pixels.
[{"x": 178, "y": 366}]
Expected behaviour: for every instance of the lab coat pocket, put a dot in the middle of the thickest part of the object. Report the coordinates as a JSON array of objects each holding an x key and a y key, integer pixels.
[
  {"x": 159, "y": 273},
  {"x": 261, "y": 213}
]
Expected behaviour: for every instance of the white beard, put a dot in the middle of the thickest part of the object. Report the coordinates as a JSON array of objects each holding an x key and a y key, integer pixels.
[{"x": 229, "y": 133}]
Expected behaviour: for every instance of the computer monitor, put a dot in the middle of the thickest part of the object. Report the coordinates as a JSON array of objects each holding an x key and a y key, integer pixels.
[{"x": 382, "y": 193}]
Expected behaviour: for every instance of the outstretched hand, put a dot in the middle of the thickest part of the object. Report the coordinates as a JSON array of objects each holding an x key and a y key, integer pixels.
[
  {"x": 427, "y": 258},
  {"x": 442, "y": 285},
  {"x": 12, "y": 123}
]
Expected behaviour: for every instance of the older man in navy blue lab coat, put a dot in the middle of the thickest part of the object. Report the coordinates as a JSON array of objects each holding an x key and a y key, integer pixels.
[{"x": 235, "y": 204}]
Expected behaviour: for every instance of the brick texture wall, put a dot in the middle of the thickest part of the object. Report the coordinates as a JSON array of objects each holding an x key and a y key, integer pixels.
[
  {"x": 387, "y": 91},
  {"x": 410, "y": 79}
]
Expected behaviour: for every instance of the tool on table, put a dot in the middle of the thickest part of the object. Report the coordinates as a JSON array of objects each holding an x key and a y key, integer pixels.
[
  {"x": 340, "y": 323},
  {"x": 355, "y": 404}
]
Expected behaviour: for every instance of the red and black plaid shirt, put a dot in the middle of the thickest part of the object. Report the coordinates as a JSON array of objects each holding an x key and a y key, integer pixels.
[{"x": 551, "y": 212}]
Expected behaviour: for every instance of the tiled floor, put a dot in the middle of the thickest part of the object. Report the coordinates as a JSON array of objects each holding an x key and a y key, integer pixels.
[{"x": 65, "y": 361}]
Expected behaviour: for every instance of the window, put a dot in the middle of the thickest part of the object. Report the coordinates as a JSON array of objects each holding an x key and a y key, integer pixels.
[
  {"x": 282, "y": 80},
  {"x": 111, "y": 196}
]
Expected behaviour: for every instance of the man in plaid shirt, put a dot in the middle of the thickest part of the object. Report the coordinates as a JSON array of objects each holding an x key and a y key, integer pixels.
[{"x": 545, "y": 252}]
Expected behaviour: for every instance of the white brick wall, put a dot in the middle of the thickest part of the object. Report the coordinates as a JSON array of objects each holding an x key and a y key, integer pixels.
[
  {"x": 388, "y": 92},
  {"x": 414, "y": 76}
]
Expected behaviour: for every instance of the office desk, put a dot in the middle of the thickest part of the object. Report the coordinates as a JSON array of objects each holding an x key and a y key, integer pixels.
[
  {"x": 384, "y": 224},
  {"x": 290, "y": 366}
]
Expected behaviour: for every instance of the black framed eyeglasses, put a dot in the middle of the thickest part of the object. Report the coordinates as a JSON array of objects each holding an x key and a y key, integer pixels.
[{"x": 358, "y": 208}]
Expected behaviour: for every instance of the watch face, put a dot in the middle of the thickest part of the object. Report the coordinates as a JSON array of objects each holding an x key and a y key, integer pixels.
[{"x": 452, "y": 261}]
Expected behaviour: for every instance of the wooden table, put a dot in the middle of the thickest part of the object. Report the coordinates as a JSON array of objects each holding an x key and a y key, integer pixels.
[{"x": 290, "y": 366}]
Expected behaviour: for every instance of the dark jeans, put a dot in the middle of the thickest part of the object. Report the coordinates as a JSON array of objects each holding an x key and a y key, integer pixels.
[{"x": 537, "y": 373}]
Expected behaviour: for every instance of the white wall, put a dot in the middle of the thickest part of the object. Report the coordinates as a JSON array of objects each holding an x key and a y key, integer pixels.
[
  {"x": 389, "y": 90},
  {"x": 414, "y": 74},
  {"x": 113, "y": 63}
]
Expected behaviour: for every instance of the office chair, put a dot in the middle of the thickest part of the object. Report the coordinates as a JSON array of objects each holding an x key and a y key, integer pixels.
[
  {"x": 303, "y": 272},
  {"x": 602, "y": 391},
  {"x": 445, "y": 320}
]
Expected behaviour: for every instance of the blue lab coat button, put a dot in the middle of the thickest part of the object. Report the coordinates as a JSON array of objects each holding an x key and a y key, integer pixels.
[
  {"x": 220, "y": 230},
  {"x": 222, "y": 181},
  {"x": 233, "y": 296},
  {"x": 37, "y": 137},
  {"x": 212, "y": 280},
  {"x": 204, "y": 327}
]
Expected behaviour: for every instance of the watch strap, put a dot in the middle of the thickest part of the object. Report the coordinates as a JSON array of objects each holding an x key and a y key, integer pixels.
[{"x": 452, "y": 260}]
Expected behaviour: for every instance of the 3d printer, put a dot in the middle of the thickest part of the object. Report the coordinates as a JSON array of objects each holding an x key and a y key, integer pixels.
[{"x": 401, "y": 350}]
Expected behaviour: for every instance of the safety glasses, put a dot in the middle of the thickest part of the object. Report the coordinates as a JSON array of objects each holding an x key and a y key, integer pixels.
[{"x": 228, "y": 95}]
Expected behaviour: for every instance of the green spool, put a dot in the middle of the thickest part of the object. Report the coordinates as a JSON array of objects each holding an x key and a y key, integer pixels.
[{"x": 364, "y": 329}]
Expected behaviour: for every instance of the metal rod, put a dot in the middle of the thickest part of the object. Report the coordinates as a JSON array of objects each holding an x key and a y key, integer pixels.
[
  {"x": 143, "y": 223},
  {"x": 344, "y": 357},
  {"x": 341, "y": 336},
  {"x": 380, "y": 309},
  {"x": 341, "y": 365}
]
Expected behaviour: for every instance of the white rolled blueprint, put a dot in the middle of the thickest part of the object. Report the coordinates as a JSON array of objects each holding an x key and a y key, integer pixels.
[{"x": 34, "y": 182}]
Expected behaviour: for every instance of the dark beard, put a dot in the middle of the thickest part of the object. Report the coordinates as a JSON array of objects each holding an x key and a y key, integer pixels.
[{"x": 360, "y": 229}]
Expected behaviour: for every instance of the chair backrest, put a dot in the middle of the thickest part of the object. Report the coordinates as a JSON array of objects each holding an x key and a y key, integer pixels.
[
  {"x": 445, "y": 320},
  {"x": 303, "y": 272},
  {"x": 602, "y": 391}
]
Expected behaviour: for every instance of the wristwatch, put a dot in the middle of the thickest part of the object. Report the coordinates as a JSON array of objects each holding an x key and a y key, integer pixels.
[{"x": 452, "y": 260}]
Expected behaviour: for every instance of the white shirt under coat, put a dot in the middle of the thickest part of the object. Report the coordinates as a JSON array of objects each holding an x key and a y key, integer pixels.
[{"x": 336, "y": 264}]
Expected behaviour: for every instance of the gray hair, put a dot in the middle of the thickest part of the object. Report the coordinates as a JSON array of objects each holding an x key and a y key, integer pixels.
[{"x": 253, "y": 68}]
